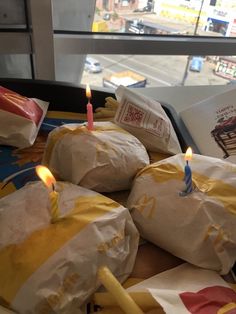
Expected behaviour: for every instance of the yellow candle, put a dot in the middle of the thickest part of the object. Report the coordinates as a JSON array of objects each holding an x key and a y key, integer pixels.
[
  {"x": 48, "y": 179},
  {"x": 121, "y": 296},
  {"x": 54, "y": 205}
]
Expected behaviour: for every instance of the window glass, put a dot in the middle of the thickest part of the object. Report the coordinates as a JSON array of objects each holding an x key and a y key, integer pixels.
[
  {"x": 12, "y": 14},
  {"x": 147, "y": 17},
  {"x": 193, "y": 17},
  {"x": 151, "y": 71},
  {"x": 73, "y": 15},
  {"x": 17, "y": 66},
  {"x": 69, "y": 68}
]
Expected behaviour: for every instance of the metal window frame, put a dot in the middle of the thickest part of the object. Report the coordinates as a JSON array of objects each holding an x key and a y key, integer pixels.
[
  {"x": 36, "y": 39},
  {"x": 78, "y": 43},
  {"x": 42, "y": 38},
  {"x": 15, "y": 43}
]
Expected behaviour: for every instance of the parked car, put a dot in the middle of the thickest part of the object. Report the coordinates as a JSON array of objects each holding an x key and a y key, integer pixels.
[
  {"x": 196, "y": 64},
  {"x": 92, "y": 65}
]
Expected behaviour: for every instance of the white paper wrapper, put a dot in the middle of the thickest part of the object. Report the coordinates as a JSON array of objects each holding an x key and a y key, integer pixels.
[
  {"x": 146, "y": 119},
  {"x": 188, "y": 289},
  {"x": 20, "y": 117},
  {"x": 51, "y": 268},
  {"x": 104, "y": 160},
  {"x": 200, "y": 227}
]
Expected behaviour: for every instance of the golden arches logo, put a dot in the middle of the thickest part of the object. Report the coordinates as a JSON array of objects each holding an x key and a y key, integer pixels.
[
  {"x": 227, "y": 308},
  {"x": 103, "y": 147},
  {"x": 218, "y": 235},
  {"x": 146, "y": 205}
]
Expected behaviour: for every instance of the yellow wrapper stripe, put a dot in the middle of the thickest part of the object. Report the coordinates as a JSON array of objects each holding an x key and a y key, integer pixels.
[
  {"x": 20, "y": 261},
  {"x": 218, "y": 189}
]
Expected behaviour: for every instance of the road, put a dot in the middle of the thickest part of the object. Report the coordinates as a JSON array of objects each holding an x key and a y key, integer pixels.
[{"x": 159, "y": 70}]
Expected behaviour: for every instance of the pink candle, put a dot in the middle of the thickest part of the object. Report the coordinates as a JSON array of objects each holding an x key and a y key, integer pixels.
[{"x": 89, "y": 109}]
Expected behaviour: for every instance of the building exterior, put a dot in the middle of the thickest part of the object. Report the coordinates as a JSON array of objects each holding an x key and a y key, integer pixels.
[
  {"x": 180, "y": 10},
  {"x": 226, "y": 68},
  {"x": 212, "y": 16},
  {"x": 117, "y": 5}
]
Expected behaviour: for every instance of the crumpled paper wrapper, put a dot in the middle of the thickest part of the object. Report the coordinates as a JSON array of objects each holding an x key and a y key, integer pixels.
[
  {"x": 146, "y": 119},
  {"x": 199, "y": 227},
  {"x": 20, "y": 117},
  {"x": 51, "y": 267},
  {"x": 104, "y": 160}
]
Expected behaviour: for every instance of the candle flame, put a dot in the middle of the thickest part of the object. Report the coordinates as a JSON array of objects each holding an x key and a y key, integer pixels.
[
  {"x": 188, "y": 154},
  {"x": 88, "y": 91},
  {"x": 46, "y": 176}
]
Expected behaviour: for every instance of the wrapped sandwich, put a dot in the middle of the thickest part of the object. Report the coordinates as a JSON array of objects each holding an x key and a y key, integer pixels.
[
  {"x": 105, "y": 159},
  {"x": 51, "y": 267},
  {"x": 199, "y": 227}
]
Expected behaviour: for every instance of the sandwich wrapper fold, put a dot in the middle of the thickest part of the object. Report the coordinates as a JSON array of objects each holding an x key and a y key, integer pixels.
[
  {"x": 105, "y": 159},
  {"x": 199, "y": 227},
  {"x": 51, "y": 267}
]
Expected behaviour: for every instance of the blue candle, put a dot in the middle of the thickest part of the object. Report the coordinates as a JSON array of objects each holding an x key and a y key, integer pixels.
[
  {"x": 188, "y": 172},
  {"x": 188, "y": 178}
]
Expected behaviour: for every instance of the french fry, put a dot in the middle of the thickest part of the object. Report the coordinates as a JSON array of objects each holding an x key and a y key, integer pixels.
[
  {"x": 104, "y": 113},
  {"x": 111, "y": 103},
  {"x": 121, "y": 296},
  {"x": 116, "y": 310},
  {"x": 99, "y": 109},
  {"x": 111, "y": 310},
  {"x": 143, "y": 299},
  {"x": 109, "y": 110}
]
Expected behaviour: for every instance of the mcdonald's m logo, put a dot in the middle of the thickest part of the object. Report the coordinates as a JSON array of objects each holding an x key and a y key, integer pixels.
[
  {"x": 210, "y": 300},
  {"x": 146, "y": 205}
]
